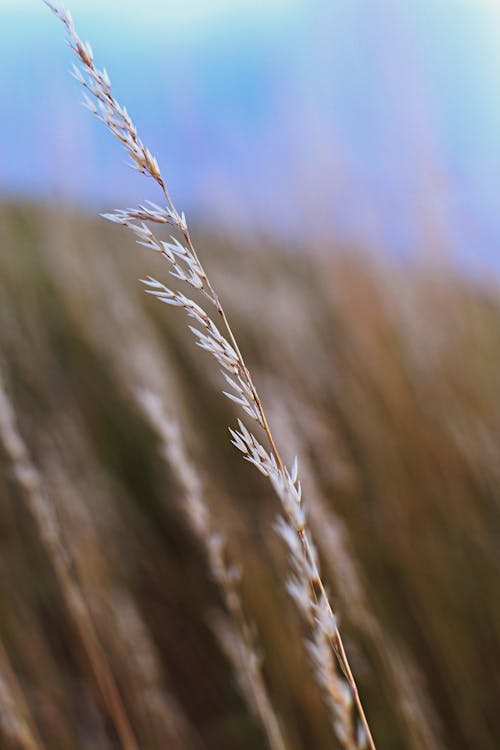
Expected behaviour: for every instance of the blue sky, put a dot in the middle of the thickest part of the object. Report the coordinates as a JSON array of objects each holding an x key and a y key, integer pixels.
[{"x": 379, "y": 121}]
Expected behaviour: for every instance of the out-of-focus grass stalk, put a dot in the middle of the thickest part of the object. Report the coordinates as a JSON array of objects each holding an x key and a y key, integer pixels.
[
  {"x": 235, "y": 632},
  {"x": 115, "y": 613},
  {"x": 16, "y": 723},
  {"x": 44, "y": 515},
  {"x": 143, "y": 661}
]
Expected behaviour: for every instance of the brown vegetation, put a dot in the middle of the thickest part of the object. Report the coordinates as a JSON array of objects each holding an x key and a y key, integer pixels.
[{"x": 385, "y": 381}]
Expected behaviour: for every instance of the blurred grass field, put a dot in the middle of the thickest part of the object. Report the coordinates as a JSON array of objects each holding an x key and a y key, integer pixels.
[{"x": 385, "y": 379}]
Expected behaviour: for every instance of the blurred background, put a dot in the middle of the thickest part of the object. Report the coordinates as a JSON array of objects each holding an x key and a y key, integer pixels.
[{"x": 340, "y": 166}]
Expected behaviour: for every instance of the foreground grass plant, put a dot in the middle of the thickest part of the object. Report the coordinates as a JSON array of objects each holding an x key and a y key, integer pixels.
[{"x": 324, "y": 642}]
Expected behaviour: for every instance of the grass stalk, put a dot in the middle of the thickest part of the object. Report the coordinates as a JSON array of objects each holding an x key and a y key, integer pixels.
[{"x": 307, "y": 587}]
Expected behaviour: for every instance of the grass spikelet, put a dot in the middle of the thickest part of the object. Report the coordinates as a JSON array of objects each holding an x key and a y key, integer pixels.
[{"x": 306, "y": 583}]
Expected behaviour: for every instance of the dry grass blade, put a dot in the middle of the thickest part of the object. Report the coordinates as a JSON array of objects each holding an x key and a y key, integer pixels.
[{"x": 307, "y": 587}]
